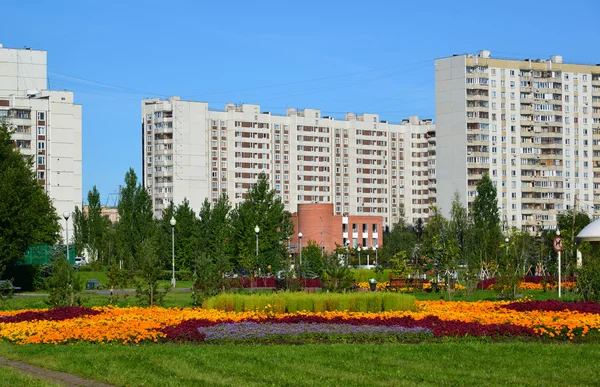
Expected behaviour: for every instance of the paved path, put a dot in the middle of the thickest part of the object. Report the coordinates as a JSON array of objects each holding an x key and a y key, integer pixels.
[{"x": 60, "y": 378}]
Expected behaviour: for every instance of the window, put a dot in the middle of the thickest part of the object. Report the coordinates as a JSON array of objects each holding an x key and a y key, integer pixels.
[
  {"x": 41, "y": 116},
  {"x": 41, "y": 145},
  {"x": 41, "y": 130},
  {"x": 41, "y": 175},
  {"x": 41, "y": 160}
]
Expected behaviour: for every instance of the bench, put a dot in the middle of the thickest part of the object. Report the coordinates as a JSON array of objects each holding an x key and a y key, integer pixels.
[{"x": 401, "y": 283}]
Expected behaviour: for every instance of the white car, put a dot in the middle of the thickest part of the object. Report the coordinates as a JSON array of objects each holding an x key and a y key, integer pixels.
[{"x": 80, "y": 261}]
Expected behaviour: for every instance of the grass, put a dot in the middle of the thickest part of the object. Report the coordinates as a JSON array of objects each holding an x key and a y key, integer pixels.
[
  {"x": 319, "y": 302},
  {"x": 465, "y": 362},
  {"x": 10, "y": 377}
]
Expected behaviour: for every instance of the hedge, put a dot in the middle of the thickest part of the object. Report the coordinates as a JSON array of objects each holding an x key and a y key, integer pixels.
[{"x": 320, "y": 302}]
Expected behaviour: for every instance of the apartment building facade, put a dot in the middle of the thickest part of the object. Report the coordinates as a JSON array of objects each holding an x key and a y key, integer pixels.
[
  {"x": 361, "y": 164},
  {"x": 46, "y": 124},
  {"x": 532, "y": 125}
]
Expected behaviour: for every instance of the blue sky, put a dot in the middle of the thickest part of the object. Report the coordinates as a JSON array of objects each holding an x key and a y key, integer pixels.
[{"x": 357, "y": 56}]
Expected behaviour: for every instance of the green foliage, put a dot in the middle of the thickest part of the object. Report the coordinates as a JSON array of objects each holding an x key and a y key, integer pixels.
[
  {"x": 400, "y": 239},
  {"x": 136, "y": 223},
  {"x": 263, "y": 209},
  {"x": 337, "y": 277},
  {"x": 63, "y": 284},
  {"x": 321, "y": 302},
  {"x": 312, "y": 259},
  {"x": 486, "y": 222},
  {"x": 399, "y": 265},
  {"x": 209, "y": 276},
  {"x": 364, "y": 275},
  {"x": 27, "y": 216},
  {"x": 118, "y": 280},
  {"x": 588, "y": 279},
  {"x": 570, "y": 223},
  {"x": 215, "y": 231},
  {"x": 147, "y": 289}
]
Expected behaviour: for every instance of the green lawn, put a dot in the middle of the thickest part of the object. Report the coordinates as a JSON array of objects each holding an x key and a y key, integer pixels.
[
  {"x": 452, "y": 363},
  {"x": 10, "y": 377}
]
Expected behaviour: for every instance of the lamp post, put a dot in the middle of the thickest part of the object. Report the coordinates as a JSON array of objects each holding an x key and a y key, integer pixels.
[
  {"x": 256, "y": 231},
  {"x": 347, "y": 252},
  {"x": 300, "y": 243},
  {"x": 358, "y": 249},
  {"x": 376, "y": 261},
  {"x": 559, "y": 281},
  {"x": 173, "y": 249},
  {"x": 66, "y": 215},
  {"x": 506, "y": 241}
]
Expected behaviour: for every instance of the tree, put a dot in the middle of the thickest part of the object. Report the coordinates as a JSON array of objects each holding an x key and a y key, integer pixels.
[
  {"x": 313, "y": 262},
  {"x": 136, "y": 220},
  {"x": 147, "y": 289},
  {"x": 215, "y": 228},
  {"x": 27, "y": 216},
  {"x": 63, "y": 284},
  {"x": 399, "y": 239},
  {"x": 90, "y": 229},
  {"x": 263, "y": 209},
  {"x": 186, "y": 235},
  {"x": 486, "y": 222},
  {"x": 570, "y": 223}
]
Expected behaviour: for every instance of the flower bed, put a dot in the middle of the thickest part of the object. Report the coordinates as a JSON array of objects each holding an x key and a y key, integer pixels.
[{"x": 550, "y": 319}]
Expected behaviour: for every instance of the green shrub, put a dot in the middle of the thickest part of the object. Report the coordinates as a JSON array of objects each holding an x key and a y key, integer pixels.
[
  {"x": 321, "y": 302},
  {"x": 364, "y": 275}
]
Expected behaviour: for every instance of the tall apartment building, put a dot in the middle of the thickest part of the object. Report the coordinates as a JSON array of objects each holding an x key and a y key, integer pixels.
[
  {"x": 361, "y": 164},
  {"x": 47, "y": 125},
  {"x": 532, "y": 125}
]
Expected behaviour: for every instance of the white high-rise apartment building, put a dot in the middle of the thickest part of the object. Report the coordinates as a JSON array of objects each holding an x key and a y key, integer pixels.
[
  {"x": 532, "y": 125},
  {"x": 363, "y": 165},
  {"x": 47, "y": 125}
]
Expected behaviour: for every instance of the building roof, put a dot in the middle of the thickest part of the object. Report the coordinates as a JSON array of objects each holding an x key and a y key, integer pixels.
[{"x": 591, "y": 232}]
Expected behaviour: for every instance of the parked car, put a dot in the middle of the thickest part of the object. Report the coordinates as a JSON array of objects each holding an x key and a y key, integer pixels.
[{"x": 80, "y": 261}]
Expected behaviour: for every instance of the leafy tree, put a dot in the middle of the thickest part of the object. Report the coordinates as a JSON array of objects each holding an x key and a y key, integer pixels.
[
  {"x": 118, "y": 279},
  {"x": 337, "y": 277},
  {"x": 215, "y": 227},
  {"x": 27, "y": 216},
  {"x": 63, "y": 284},
  {"x": 186, "y": 235},
  {"x": 165, "y": 236},
  {"x": 136, "y": 223},
  {"x": 147, "y": 288},
  {"x": 260, "y": 208},
  {"x": 486, "y": 222},
  {"x": 312, "y": 260},
  {"x": 80, "y": 231},
  {"x": 570, "y": 223},
  {"x": 399, "y": 239},
  {"x": 90, "y": 229}
]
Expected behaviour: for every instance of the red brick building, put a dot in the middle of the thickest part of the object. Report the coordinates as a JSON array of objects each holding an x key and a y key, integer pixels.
[{"x": 318, "y": 223}]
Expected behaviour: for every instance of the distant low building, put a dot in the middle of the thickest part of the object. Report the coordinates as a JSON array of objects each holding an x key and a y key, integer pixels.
[
  {"x": 111, "y": 212},
  {"x": 318, "y": 222}
]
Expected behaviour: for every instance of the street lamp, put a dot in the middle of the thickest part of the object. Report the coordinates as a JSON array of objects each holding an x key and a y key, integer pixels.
[
  {"x": 300, "y": 243},
  {"x": 256, "y": 231},
  {"x": 506, "y": 240},
  {"x": 376, "y": 247},
  {"x": 347, "y": 252},
  {"x": 559, "y": 280},
  {"x": 66, "y": 215},
  {"x": 173, "y": 249},
  {"x": 358, "y": 249}
]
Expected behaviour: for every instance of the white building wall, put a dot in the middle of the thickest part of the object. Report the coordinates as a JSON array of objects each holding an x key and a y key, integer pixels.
[
  {"x": 215, "y": 152},
  {"x": 451, "y": 139}
]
